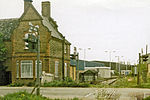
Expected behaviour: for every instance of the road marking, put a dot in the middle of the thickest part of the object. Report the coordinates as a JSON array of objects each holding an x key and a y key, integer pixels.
[
  {"x": 91, "y": 93},
  {"x": 88, "y": 94}
]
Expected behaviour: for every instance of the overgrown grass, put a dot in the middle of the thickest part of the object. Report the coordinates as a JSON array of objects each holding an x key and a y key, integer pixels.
[
  {"x": 68, "y": 82},
  {"x": 125, "y": 82},
  {"x": 130, "y": 82},
  {"x": 23, "y": 96},
  {"x": 26, "y": 96},
  {"x": 148, "y": 98}
]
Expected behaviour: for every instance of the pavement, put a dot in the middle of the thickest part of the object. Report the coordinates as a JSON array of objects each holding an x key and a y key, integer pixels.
[{"x": 83, "y": 93}]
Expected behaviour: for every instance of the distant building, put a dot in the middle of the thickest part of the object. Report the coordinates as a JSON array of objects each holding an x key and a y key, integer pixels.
[
  {"x": 89, "y": 68},
  {"x": 103, "y": 72},
  {"x": 126, "y": 72}
]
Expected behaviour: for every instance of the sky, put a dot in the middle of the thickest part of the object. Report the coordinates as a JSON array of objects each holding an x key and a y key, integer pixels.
[{"x": 120, "y": 27}]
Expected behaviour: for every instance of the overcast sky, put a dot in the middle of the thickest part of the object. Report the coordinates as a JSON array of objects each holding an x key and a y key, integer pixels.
[{"x": 102, "y": 25}]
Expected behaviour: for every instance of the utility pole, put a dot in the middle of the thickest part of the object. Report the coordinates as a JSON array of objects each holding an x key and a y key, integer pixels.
[
  {"x": 34, "y": 39},
  {"x": 138, "y": 76},
  {"x": 77, "y": 67},
  {"x": 63, "y": 43},
  {"x": 146, "y": 49},
  {"x": 38, "y": 61}
]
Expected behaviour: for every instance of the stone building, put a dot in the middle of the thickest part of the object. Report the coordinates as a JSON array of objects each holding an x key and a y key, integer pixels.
[{"x": 21, "y": 62}]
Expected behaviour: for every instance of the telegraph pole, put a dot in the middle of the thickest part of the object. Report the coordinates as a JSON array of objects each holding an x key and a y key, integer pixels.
[
  {"x": 36, "y": 40},
  {"x": 77, "y": 67},
  {"x": 138, "y": 76},
  {"x": 146, "y": 49},
  {"x": 38, "y": 61}
]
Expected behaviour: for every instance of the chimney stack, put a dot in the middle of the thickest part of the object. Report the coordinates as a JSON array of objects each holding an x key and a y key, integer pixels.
[
  {"x": 46, "y": 9},
  {"x": 27, "y": 3}
]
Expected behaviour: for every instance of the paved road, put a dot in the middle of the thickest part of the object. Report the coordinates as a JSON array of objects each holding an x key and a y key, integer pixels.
[{"x": 83, "y": 93}]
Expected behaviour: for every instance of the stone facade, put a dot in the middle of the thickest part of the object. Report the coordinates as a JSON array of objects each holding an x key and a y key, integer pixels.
[{"x": 51, "y": 41}]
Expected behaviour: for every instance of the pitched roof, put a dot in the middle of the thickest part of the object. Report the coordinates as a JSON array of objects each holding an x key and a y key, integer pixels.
[
  {"x": 7, "y": 26},
  {"x": 91, "y": 71},
  {"x": 53, "y": 31}
]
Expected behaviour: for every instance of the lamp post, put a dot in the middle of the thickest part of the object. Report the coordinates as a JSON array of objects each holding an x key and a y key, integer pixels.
[
  {"x": 118, "y": 63},
  {"x": 84, "y": 53},
  {"x": 110, "y": 56}
]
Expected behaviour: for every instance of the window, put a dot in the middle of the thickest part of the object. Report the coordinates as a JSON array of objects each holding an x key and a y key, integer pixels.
[
  {"x": 26, "y": 69},
  {"x": 56, "y": 68},
  {"x": 40, "y": 68},
  {"x": 65, "y": 69},
  {"x": 17, "y": 69},
  {"x": 65, "y": 48}
]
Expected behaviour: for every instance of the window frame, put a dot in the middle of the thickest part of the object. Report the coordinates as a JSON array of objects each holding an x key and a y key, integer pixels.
[
  {"x": 56, "y": 68},
  {"x": 65, "y": 69},
  {"x": 26, "y": 75},
  {"x": 65, "y": 48}
]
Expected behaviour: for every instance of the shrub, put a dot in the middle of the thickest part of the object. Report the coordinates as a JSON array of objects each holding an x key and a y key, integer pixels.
[
  {"x": 68, "y": 79},
  {"x": 16, "y": 84},
  {"x": 148, "y": 98},
  {"x": 67, "y": 83},
  {"x": 31, "y": 84}
]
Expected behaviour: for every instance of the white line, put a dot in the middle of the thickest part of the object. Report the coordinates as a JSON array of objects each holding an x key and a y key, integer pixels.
[{"x": 88, "y": 94}]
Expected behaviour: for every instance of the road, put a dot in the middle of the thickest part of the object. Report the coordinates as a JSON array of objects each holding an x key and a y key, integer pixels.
[{"x": 83, "y": 93}]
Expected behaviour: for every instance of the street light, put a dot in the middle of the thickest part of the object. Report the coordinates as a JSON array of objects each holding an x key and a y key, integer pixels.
[
  {"x": 118, "y": 63},
  {"x": 84, "y": 53},
  {"x": 110, "y": 56}
]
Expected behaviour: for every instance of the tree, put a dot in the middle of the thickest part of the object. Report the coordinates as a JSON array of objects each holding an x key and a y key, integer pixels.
[
  {"x": 3, "y": 49},
  {"x": 3, "y": 52}
]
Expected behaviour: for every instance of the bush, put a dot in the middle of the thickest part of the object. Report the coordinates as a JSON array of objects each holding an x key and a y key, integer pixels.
[
  {"x": 67, "y": 83},
  {"x": 148, "y": 98},
  {"x": 68, "y": 79},
  {"x": 16, "y": 84},
  {"x": 19, "y": 84},
  {"x": 31, "y": 84}
]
